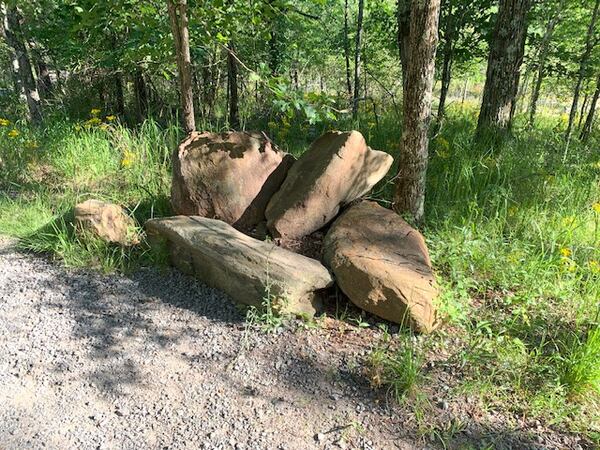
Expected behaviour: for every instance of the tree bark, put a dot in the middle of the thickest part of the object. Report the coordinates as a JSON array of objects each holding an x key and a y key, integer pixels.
[
  {"x": 447, "y": 51},
  {"x": 141, "y": 95},
  {"x": 589, "y": 44},
  {"x": 543, "y": 54},
  {"x": 232, "y": 88},
  {"x": 16, "y": 40},
  {"x": 420, "y": 67},
  {"x": 589, "y": 121},
  {"x": 504, "y": 66},
  {"x": 357, "y": 52},
  {"x": 44, "y": 83},
  {"x": 403, "y": 18},
  {"x": 347, "y": 51},
  {"x": 119, "y": 95},
  {"x": 181, "y": 38}
]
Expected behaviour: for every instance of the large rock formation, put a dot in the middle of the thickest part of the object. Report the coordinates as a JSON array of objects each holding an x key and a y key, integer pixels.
[
  {"x": 382, "y": 265},
  {"x": 245, "y": 268},
  {"x": 227, "y": 176},
  {"x": 107, "y": 221},
  {"x": 338, "y": 168}
]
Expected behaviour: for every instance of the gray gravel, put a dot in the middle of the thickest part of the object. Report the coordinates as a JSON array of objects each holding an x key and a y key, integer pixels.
[{"x": 158, "y": 360}]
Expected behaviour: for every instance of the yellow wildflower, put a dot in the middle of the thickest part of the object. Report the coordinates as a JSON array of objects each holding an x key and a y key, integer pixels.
[
  {"x": 4, "y": 122},
  {"x": 594, "y": 266},
  {"x": 77, "y": 127},
  {"x": 512, "y": 210},
  {"x": 111, "y": 118},
  {"x": 128, "y": 159},
  {"x": 93, "y": 121},
  {"x": 95, "y": 111},
  {"x": 596, "y": 207},
  {"x": 13, "y": 133},
  {"x": 103, "y": 126},
  {"x": 568, "y": 221},
  {"x": 566, "y": 252},
  {"x": 32, "y": 145}
]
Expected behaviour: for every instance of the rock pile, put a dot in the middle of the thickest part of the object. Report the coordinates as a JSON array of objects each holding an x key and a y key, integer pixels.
[{"x": 229, "y": 183}]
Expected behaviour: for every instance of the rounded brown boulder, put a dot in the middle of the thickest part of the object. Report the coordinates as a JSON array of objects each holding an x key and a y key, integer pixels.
[
  {"x": 228, "y": 176},
  {"x": 338, "y": 168},
  {"x": 382, "y": 264}
]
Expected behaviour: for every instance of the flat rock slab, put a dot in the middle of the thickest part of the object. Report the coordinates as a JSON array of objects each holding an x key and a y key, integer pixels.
[
  {"x": 247, "y": 269},
  {"x": 228, "y": 176},
  {"x": 382, "y": 264},
  {"x": 338, "y": 168}
]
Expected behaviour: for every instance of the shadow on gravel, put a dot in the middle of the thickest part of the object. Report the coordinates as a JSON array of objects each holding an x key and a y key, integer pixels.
[{"x": 111, "y": 312}]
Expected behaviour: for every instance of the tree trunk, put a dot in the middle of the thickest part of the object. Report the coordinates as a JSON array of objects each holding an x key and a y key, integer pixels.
[
  {"x": 14, "y": 64},
  {"x": 464, "y": 91},
  {"x": 357, "y": 52},
  {"x": 181, "y": 38},
  {"x": 141, "y": 95},
  {"x": 347, "y": 51},
  {"x": 589, "y": 44},
  {"x": 448, "y": 51},
  {"x": 44, "y": 83},
  {"x": 587, "y": 127},
  {"x": 403, "y": 18},
  {"x": 232, "y": 88},
  {"x": 586, "y": 97},
  {"x": 16, "y": 40},
  {"x": 420, "y": 68},
  {"x": 446, "y": 76},
  {"x": 119, "y": 96},
  {"x": 504, "y": 66},
  {"x": 543, "y": 54}
]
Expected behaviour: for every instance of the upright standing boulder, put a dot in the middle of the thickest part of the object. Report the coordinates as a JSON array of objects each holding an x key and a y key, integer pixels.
[
  {"x": 249, "y": 270},
  {"x": 338, "y": 168},
  {"x": 227, "y": 176},
  {"x": 382, "y": 264},
  {"x": 107, "y": 221}
]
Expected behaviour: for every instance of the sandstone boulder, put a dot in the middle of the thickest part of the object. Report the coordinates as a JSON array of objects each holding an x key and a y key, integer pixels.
[
  {"x": 338, "y": 168},
  {"x": 382, "y": 265},
  {"x": 227, "y": 176},
  {"x": 107, "y": 221},
  {"x": 243, "y": 267}
]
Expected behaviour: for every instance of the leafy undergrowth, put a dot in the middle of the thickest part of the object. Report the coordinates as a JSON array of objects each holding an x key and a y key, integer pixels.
[{"x": 513, "y": 230}]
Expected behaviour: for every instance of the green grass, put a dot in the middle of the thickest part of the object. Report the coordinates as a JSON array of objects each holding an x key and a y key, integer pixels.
[{"x": 511, "y": 228}]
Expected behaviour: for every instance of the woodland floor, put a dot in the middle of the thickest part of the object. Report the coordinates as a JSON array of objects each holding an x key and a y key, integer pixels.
[{"x": 155, "y": 359}]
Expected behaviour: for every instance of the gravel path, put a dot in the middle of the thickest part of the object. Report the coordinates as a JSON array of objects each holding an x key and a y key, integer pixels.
[{"x": 158, "y": 360}]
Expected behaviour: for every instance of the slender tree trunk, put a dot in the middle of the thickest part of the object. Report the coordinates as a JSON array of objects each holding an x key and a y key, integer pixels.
[
  {"x": 181, "y": 38},
  {"x": 447, "y": 51},
  {"x": 446, "y": 77},
  {"x": 420, "y": 65},
  {"x": 584, "y": 105},
  {"x": 504, "y": 66},
  {"x": 16, "y": 40},
  {"x": 44, "y": 83},
  {"x": 541, "y": 63},
  {"x": 232, "y": 88},
  {"x": 357, "y": 52},
  {"x": 119, "y": 95},
  {"x": 589, "y": 44},
  {"x": 589, "y": 121},
  {"x": 141, "y": 95},
  {"x": 464, "y": 91},
  {"x": 403, "y": 18},
  {"x": 347, "y": 51},
  {"x": 14, "y": 64}
]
